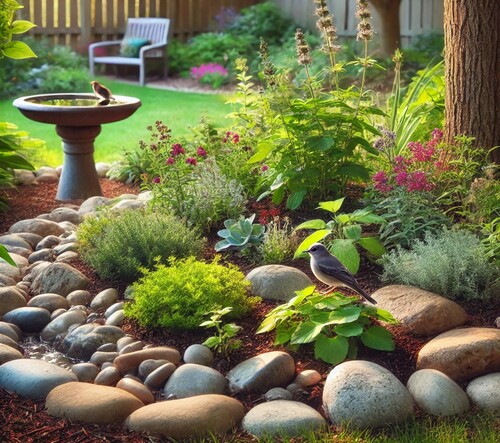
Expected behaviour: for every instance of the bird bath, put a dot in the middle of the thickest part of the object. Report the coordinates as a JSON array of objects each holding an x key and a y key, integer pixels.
[{"x": 78, "y": 119}]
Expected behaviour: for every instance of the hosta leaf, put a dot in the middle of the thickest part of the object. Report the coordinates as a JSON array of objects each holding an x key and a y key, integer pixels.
[
  {"x": 211, "y": 342},
  {"x": 352, "y": 232},
  {"x": 21, "y": 26},
  {"x": 310, "y": 240},
  {"x": 301, "y": 295},
  {"x": 331, "y": 350},
  {"x": 349, "y": 329},
  {"x": 17, "y": 50},
  {"x": 264, "y": 148},
  {"x": 345, "y": 315},
  {"x": 379, "y": 338},
  {"x": 332, "y": 206},
  {"x": 347, "y": 253},
  {"x": 295, "y": 199},
  {"x": 267, "y": 325},
  {"x": 312, "y": 224},
  {"x": 372, "y": 245},
  {"x": 306, "y": 333}
]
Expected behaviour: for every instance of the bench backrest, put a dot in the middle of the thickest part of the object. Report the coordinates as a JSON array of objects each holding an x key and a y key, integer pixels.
[{"x": 153, "y": 29}]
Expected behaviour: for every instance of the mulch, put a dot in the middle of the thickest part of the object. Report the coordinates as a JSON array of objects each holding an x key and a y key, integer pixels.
[{"x": 25, "y": 421}]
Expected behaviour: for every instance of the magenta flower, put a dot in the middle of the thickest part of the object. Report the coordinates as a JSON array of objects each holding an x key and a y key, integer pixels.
[
  {"x": 401, "y": 178},
  {"x": 156, "y": 179},
  {"x": 417, "y": 181},
  {"x": 170, "y": 161},
  {"x": 198, "y": 72},
  {"x": 177, "y": 149},
  {"x": 437, "y": 134},
  {"x": 264, "y": 168},
  {"x": 236, "y": 138},
  {"x": 200, "y": 152},
  {"x": 381, "y": 182},
  {"x": 191, "y": 161},
  {"x": 421, "y": 153}
]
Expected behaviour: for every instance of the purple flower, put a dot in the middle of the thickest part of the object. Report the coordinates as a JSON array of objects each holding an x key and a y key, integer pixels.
[
  {"x": 170, "y": 161},
  {"x": 264, "y": 168},
  {"x": 177, "y": 149},
  {"x": 200, "y": 152},
  {"x": 191, "y": 161},
  {"x": 401, "y": 178},
  {"x": 156, "y": 179},
  {"x": 437, "y": 134}
]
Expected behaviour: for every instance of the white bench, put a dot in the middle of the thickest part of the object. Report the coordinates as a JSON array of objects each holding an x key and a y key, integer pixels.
[{"x": 155, "y": 30}]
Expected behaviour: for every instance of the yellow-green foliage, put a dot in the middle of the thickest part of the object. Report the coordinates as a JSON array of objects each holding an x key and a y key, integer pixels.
[{"x": 179, "y": 296}]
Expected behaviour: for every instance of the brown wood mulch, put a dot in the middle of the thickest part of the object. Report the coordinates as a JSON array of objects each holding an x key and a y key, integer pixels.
[{"x": 25, "y": 421}]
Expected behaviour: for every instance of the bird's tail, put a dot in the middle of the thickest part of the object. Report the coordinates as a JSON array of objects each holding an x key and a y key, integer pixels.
[{"x": 367, "y": 296}]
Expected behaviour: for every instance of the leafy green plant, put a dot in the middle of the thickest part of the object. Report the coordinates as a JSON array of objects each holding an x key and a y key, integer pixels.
[
  {"x": 491, "y": 240},
  {"x": 178, "y": 296},
  {"x": 239, "y": 234},
  {"x": 9, "y": 27},
  {"x": 449, "y": 263},
  {"x": 346, "y": 230},
  {"x": 223, "y": 341},
  {"x": 279, "y": 242},
  {"x": 118, "y": 244},
  {"x": 336, "y": 324},
  {"x": 4, "y": 254}
]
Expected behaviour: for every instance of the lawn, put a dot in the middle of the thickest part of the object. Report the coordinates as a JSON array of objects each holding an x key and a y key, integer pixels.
[{"x": 178, "y": 110}]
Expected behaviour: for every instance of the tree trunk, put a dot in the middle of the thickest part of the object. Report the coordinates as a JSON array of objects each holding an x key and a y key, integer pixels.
[
  {"x": 472, "y": 71},
  {"x": 388, "y": 11}
]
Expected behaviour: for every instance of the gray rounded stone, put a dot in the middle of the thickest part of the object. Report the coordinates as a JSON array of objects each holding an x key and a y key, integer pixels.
[
  {"x": 124, "y": 341},
  {"x": 437, "y": 394},
  {"x": 67, "y": 257},
  {"x": 33, "y": 379},
  {"x": 92, "y": 203},
  {"x": 282, "y": 418},
  {"x": 6, "y": 340},
  {"x": 116, "y": 318},
  {"x": 484, "y": 392},
  {"x": 361, "y": 394},
  {"x": 62, "y": 323},
  {"x": 60, "y": 278},
  {"x": 277, "y": 282},
  {"x": 10, "y": 330},
  {"x": 132, "y": 347},
  {"x": 100, "y": 357},
  {"x": 104, "y": 299},
  {"x": 198, "y": 354},
  {"x": 113, "y": 308},
  {"x": 108, "y": 376},
  {"x": 86, "y": 372},
  {"x": 10, "y": 299},
  {"x": 278, "y": 394},
  {"x": 65, "y": 214},
  {"x": 42, "y": 255},
  {"x": 159, "y": 376},
  {"x": 15, "y": 240},
  {"x": 36, "y": 226},
  {"x": 48, "y": 242},
  {"x": 262, "y": 372},
  {"x": 190, "y": 379},
  {"x": 49, "y": 301},
  {"x": 28, "y": 319},
  {"x": 79, "y": 297},
  {"x": 148, "y": 366}
]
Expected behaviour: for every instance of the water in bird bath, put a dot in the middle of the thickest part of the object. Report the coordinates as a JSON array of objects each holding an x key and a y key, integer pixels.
[{"x": 72, "y": 101}]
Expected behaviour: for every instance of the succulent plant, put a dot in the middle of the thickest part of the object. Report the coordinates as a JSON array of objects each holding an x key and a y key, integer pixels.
[{"x": 239, "y": 233}]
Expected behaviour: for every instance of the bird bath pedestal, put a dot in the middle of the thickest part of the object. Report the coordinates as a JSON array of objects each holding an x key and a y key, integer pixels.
[{"x": 78, "y": 119}]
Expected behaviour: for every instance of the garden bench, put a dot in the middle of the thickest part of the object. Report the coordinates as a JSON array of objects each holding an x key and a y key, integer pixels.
[{"x": 144, "y": 38}]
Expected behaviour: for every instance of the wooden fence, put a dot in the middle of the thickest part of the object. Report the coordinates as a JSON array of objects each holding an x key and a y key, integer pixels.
[
  {"x": 417, "y": 16},
  {"x": 76, "y": 23}
]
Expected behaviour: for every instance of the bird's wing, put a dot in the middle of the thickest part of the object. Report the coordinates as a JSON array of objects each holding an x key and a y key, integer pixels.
[{"x": 334, "y": 267}]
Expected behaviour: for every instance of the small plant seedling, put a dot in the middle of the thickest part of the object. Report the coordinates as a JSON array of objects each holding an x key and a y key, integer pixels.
[{"x": 223, "y": 341}]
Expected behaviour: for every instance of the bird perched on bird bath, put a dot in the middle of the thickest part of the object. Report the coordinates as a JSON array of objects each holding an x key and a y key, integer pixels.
[
  {"x": 328, "y": 269},
  {"x": 103, "y": 93}
]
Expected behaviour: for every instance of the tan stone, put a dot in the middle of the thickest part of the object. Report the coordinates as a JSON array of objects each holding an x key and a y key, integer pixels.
[
  {"x": 128, "y": 362},
  {"x": 420, "y": 312},
  {"x": 138, "y": 389},
  {"x": 87, "y": 403},
  {"x": 462, "y": 354},
  {"x": 108, "y": 376},
  {"x": 188, "y": 417},
  {"x": 7, "y": 353}
]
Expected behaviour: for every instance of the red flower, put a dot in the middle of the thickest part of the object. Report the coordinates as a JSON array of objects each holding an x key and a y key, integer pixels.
[
  {"x": 200, "y": 152},
  {"x": 191, "y": 161},
  {"x": 177, "y": 149},
  {"x": 170, "y": 161}
]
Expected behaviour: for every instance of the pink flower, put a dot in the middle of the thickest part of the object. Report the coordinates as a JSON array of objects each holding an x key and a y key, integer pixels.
[
  {"x": 437, "y": 134},
  {"x": 421, "y": 154},
  {"x": 177, "y": 149},
  {"x": 264, "y": 168},
  {"x": 401, "y": 178},
  {"x": 170, "y": 161},
  {"x": 199, "y": 72},
  {"x": 191, "y": 161},
  {"x": 382, "y": 182},
  {"x": 200, "y": 152},
  {"x": 417, "y": 181},
  {"x": 236, "y": 138},
  {"x": 156, "y": 179}
]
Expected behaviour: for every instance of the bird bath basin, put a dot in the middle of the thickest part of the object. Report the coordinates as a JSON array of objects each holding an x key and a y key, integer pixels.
[{"x": 78, "y": 119}]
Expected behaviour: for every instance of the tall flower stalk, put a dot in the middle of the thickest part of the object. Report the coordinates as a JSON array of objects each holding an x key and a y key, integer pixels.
[{"x": 304, "y": 56}]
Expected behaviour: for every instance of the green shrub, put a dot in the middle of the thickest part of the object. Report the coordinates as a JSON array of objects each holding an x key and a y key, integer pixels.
[
  {"x": 180, "y": 295},
  {"x": 450, "y": 263},
  {"x": 118, "y": 244},
  {"x": 279, "y": 242}
]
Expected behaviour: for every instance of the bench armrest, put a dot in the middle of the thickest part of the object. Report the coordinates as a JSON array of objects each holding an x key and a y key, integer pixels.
[{"x": 144, "y": 49}]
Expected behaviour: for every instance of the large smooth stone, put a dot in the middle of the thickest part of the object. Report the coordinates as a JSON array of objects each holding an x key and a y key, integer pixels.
[
  {"x": 10, "y": 299},
  {"x": 262, "y": 372},
  {"x": 462, "y": 354},
  {"x": 191, "y": 417},
  {"x": 28, "y": 319},
  {"x": 33, "y": 379},
  {"x": 282, "y": 418},
  {"x": 362, "y": 394},
  {"x": 92, "y": 203},
  {"x": 437, "y": 394},
  {"x": 87, "y": 403},
  {"x": 277, "y": 282},
  {"x": 104, "y": 299},
  {"x": 59, "y": 278},
  {"x": 10, "y": 330},
  {"x": 62, "y": 323},
  {"x": 65, "y": 214},
  {"x": 198, "y": 354},
  {"x": 8, "y": 271},
  {"x": 8, "y": 353},
  {"x": 420, "y": 312},
  {"x": 131, "y": 361},
  {"x": 51, "y": 302},
  {"x": 485, "y": 392},
  {"x": 191, "y": 379},
  {"x": 15, "y": 240},
  {"x": 36, "y": 226}
]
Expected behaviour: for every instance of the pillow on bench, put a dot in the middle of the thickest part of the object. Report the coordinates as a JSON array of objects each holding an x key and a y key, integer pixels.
[{"x": 130, "y": 47}]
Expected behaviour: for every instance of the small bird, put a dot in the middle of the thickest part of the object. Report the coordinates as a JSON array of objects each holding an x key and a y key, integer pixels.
[
  {"x": 101, "y": 91},
  {"x": 328, "y": 269}
]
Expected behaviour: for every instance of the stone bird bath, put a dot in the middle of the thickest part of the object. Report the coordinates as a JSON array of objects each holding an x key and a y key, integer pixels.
[{"x": 78, "y": 119}]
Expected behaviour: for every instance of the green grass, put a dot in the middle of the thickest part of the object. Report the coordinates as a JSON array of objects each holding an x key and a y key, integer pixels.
[{"x": 178, "y": 110}]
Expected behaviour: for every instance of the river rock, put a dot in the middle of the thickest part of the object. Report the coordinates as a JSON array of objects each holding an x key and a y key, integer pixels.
[
  {"x": 15, "y": 240},
  {"x": 32, "y": 239},
  {"x": 60, "y": 278},
  {"x": 131, "y": 361},
  {"x": 363, "y": 394},
  {"x": 159, "y": 376},
  {"x": 10, "y": 299},
  {"x": 124, "y": 341},
  {"x": 136, "y": 388},
  {"x": 192, "y": 417},
  {"x": 113, "y": 308},
  {"x": 92, "y": 203},
  {"x": 116, "y": 319},
  {"x": 10, "y": 330},
  {"x": 67, "y": 257},
  {"x": 109, "y": 376},
  {"x": 282, "y": 418},
  {"x": 462, "y": 354},
  {"x": 278, "y": 394},
  {"x": 42, "y": 255},
  {"x": 262, "y": 372},
  {"x": 8, "y": 341},
  {"x": 127, "y": 204},
  {"x": 102, "y": 169},
  {"x": 101, "y": 357},
  {"x": 436, "y": 393},
  {"x": 86, "y": 372},
  {"x": 132, "y": 347},
  {"x": 48, "y": 242},
  {"x": 65, "y": 214},
  {"x": 148, "y": 366},
  {"x": 66, "y": 247},
  {"x": 420, "y": 312},
  {"x": 277, "y": 282},
  {"x": 87, "y": 403},
  {"x": 191, "y": 379},
  {"x": 49, "y": 301},
  {"x": 32, "y": 378},
  {"x": 28, "y": 319},
  {"x": 308, "y": 377},
  {"x": 36, "y": 226},
  {"x": 104, "y": 299},
  {"x": 62, "y": 323},
  {"x": 6, "y": 281},
  {"x": 198, "y": 354},
  {"x": 84, "y": 340},
  {"x": 484, "y": 392},
  {"x": 79, "y": 297},
  {"x": 7, "y": 353}
]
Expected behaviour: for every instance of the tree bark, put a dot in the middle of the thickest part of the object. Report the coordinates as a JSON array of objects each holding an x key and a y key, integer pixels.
[
  {"x": 472, "y": 71},
  {"x": 388, "y": 11}
]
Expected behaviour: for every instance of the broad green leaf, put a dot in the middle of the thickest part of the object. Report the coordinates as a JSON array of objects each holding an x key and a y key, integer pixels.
[
  {"x": 208, "y": 323},
  {"x": 295, "y": 199},
  {"x": 278, "y": 195},
  {"x": 380, "y": 314},
  {"x": 6, "y": 256},
  {"x": 349, "y": 329},
  {"x": 320, "y": 143},
  {"x": 343, "y": 219},
  {"x": 332, "y": 206},
  {"x": 366, "y": 216},
  {"x": 345, "y": 315},
  {"x": 379, "y": 338},
  {"x": 312, "y": 224},
  {"x": 17, "y": 50},
  {"x": 15, "y": 161},
  {"x": 283, "y": 336},
  {"x": 267, "y": 325},
  {"x": 320, "y": 317},
  {"x": 306, "y": 333},
  {"x": 231, "y": 329},
  {"x": 21, "y": 26},
  {"x": 354, "y": 171},
  {"x": 333, "y": 303},
  {"x": 373, "y": 245},
  {"x": 331, "y": 350},
  {"x": 310, "y": 240},
  {"x": 211, "y": 342},
  {"x": 301, "y": 295},
  {"x": 347, "y": 253},
  {"x": 264, "y": 148},
  {"x": 352, "y": 232},
  {"x": 365, "y": 144}
]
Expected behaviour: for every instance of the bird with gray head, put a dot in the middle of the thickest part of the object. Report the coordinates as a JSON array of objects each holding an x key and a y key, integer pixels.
[{"x": 328, "y": 269}]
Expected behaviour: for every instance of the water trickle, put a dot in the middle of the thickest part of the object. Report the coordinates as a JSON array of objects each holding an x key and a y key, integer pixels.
[{"x": 36, "y": 348}]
